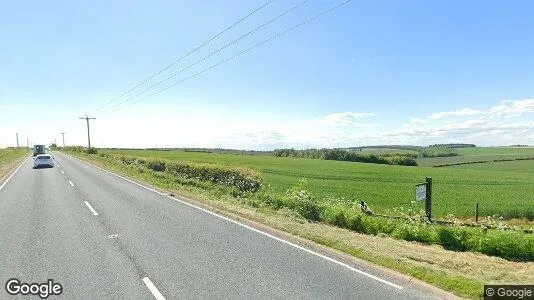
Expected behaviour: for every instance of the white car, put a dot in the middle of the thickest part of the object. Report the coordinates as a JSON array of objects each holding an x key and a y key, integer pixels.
[{"x": 43, "y": 161}]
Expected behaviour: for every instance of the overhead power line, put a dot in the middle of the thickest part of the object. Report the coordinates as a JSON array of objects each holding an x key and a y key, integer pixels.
[
  {"x": 239, "y": 54},
  {"x": 212, "y": 53},
  {"x": 186, "y": 55}
]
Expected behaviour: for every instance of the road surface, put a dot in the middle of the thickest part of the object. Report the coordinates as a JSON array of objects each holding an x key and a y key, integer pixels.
[{"x": 103, "y": 237}]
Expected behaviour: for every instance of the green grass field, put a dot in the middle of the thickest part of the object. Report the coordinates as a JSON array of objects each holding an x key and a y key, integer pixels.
[
  {"x": 496, "y": 151},
  {"x": 519, "y": 166},
  {"x": 456, "y": 190},
  {"x": 436, "y": 161},
  {"x": 479, "y": 154}
]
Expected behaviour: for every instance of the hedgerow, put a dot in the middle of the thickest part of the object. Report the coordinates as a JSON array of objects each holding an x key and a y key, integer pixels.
[
  {"x": 406, "y": 159},
  {"x": 245, "y": 180}
]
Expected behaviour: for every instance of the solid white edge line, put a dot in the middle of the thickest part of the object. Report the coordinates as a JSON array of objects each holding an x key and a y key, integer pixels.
[
  {"x": 71, "y": 184},
  {"x": 7, "y": 180},
  {"x": 251, "y": 228},
  {"x": 153, "y": 289},
  {"x": 90, "y": 208}
]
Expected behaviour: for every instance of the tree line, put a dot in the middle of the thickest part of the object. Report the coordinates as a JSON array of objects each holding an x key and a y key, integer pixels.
[{"x": 405, "y": 159}]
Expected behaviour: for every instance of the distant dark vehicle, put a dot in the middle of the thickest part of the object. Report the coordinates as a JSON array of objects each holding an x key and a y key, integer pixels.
[
  {"x": 38, "y": 149},
  {"x": 43, "y": 161}
]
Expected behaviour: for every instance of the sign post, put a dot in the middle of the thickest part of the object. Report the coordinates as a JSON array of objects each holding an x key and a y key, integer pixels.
[
  {"x": 423, "y": 192},
  {"x": 420, "y": 192},
  {"x": 428, "y": 202}
]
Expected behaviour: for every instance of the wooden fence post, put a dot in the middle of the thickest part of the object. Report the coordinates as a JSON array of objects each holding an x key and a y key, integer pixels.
[
  {"x": 428, "y": 201},
  {"x": 476, "y": 213}
]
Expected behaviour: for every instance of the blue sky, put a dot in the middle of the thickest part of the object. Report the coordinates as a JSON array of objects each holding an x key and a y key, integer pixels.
[{"x": 370, "y": 72}]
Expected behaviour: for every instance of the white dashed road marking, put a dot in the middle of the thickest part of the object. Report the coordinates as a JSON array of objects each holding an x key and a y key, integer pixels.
[
  {"x": 153, "y": 289},
  {"x": 91, "y": 208}
]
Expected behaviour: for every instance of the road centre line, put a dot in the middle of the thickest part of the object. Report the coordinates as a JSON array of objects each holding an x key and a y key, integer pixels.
[
  {"x": 153, "y": 289},
  {"x": 71, "y": 184},
  {"x": 90, "y": 208}
]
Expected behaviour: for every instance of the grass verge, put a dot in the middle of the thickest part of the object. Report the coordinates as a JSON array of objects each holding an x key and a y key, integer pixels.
[
  {"x": 462, "y": 273},
  {"x": 9, "y": 159}
]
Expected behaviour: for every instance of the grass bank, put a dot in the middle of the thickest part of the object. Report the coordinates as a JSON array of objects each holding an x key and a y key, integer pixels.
[{"x": 10, "y": 158}]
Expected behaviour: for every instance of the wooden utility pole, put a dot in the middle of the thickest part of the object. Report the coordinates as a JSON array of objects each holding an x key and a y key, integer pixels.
[
  {"x": 63, "y": 135},
  {"x": 86, "y": 118}
]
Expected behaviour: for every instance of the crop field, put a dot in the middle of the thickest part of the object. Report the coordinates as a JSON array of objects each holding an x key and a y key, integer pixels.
[
  {"x": 518, "y": 166},
  {"x": 436, "y": 161},
  {"x": 496, "y": 151},
  {"x": 467, "y": 155},
  {"x": 456, "y": 189}
]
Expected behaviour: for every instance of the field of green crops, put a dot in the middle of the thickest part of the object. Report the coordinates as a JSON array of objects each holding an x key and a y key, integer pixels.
[
  {"x": 456, "y": 189},
  {"x": 437, "y": 161},
  {"x": 519, "y": 166},
  {"x": 467, "y": 155},
  {"x": 496, "y": 151}
]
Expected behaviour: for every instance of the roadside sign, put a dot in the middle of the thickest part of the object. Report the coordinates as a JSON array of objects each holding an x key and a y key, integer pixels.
[{"x": 420, "y": 192}]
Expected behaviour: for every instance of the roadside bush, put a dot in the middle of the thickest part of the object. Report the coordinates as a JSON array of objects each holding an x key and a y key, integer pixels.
[
  {"x": 243, "y": 179},
  {"x": 417, "y": 232},
  {"x": 302, "y": 201},
  {"x": 92, "y": 150},
  {"x": 309, "y": 209},
  {"x": 356, "y": 223},
  {"x": 154, "y": 164},
  {"x": 273, "y": 201},
  {"x": 363, "y": 224},
  {"x": 456, "y": 238},
  {"x": 387, "y": 227},
  {"x": 125, "y": 159},
  {"x": 509, "y": 245},
  {"x": 335, "y": 215}
]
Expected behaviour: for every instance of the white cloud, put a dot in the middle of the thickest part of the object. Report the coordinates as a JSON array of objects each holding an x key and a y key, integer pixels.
[
  {"x": 458, "y": 113},
  {"x": 509, "y": 109},
  {"x": 344, "y": 118}
]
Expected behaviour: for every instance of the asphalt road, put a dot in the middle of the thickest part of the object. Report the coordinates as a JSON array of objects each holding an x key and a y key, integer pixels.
[{"x": 103, "y": 237}]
